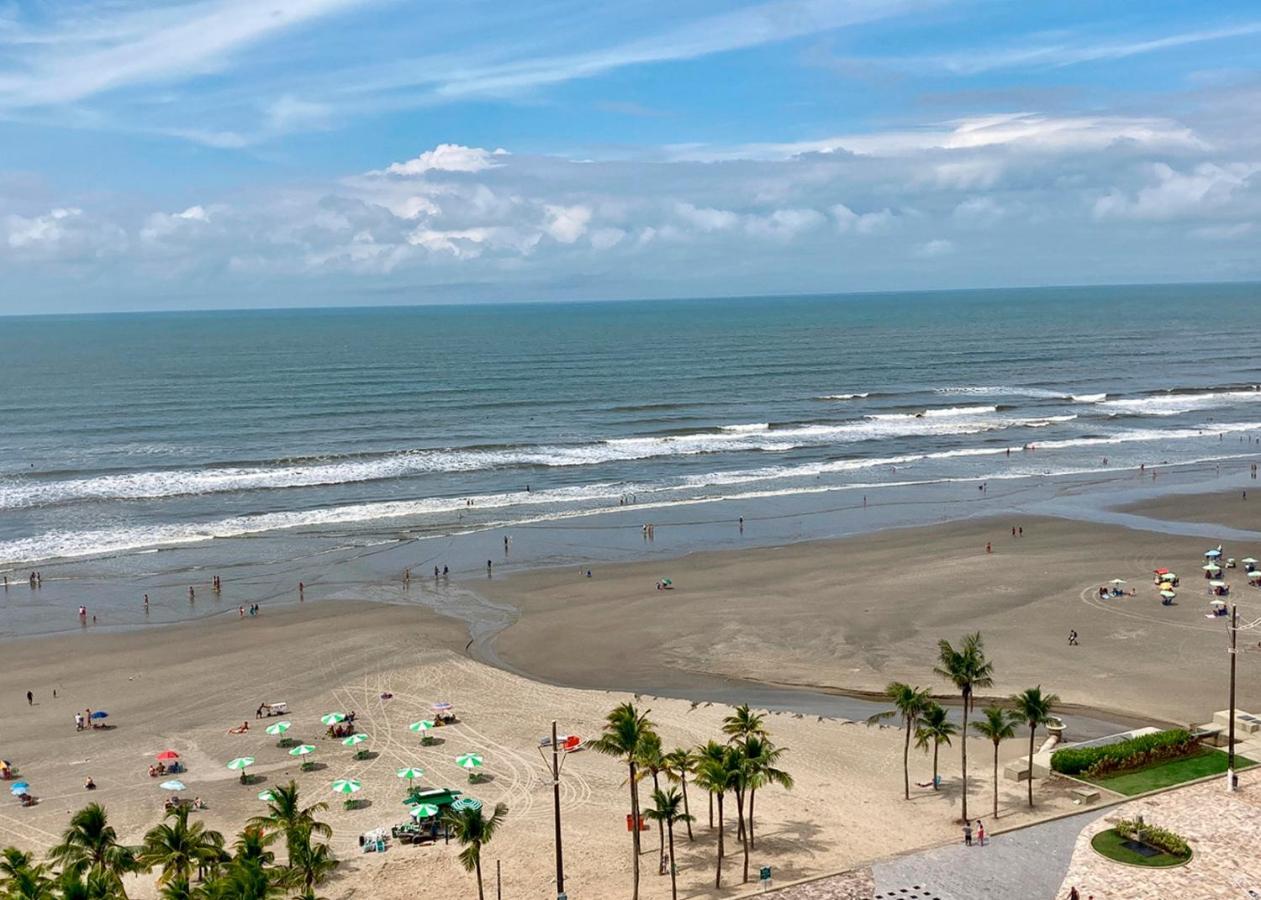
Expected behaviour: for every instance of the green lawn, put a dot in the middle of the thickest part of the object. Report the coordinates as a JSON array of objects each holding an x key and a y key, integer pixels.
[
  {"x": 1206, "y": 762},
  {"x": 1111, "y": 845}
]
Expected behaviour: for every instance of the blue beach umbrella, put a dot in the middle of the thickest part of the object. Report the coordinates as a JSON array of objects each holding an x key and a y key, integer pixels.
[
  {"x": 19, "y": 787},
  {"x": 1212, "y": 554},
  {"x": 100, "y": 714},
  {"x": 173, "y": 785}
]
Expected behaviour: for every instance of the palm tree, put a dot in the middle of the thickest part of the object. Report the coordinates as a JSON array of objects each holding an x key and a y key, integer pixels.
[
  {"x": 23, "y": 879},
  {"x": 999, "y": 725},
  {"x": 681, "y": 762},
  {"x": 713, "y": 751},
  {"x": 666, "y": 810},
  {"x": 1034, "y": 707},
  {"x": 244, "y": 879},
  {"x": 715, "y": 776},
  {"x": 85, "y": 885},
  {"x": 935, "y": 728},
  {"x": 286, "y": 815},
  {"x": 652, "y": 761},
  {"x": 909, "y": 703},
  {"x": 624, "y": 731},
  {"x": 761, "y": 759},
  {"x": 968, "y": 669},
  {"x": 254, "y": 845},
  {"x": 90, "y": 846},
  {"x": 180, "y": 848},
  {"x": 742, "y": 723},
  {"x": 309, "y": 863},
  {"x": 474, "y": 831}
]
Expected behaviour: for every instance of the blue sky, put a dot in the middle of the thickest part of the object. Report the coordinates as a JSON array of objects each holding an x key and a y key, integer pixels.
[{"x": 284, "y": 152}]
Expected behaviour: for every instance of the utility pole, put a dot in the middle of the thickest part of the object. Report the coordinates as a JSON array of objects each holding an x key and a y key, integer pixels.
[
  {"x": 560, "y": 853},
  {"x": 1230, "y": 738}
]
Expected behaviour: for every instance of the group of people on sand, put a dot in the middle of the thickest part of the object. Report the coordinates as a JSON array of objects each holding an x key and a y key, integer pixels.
[
  {"x": 254, "y": 609},
  {"x": 345, "y": 728},
  {"x": 83, "y": 720}
]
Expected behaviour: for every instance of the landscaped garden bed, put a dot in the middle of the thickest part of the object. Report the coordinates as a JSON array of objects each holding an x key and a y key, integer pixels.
[{"x": 1136, "y": 843}]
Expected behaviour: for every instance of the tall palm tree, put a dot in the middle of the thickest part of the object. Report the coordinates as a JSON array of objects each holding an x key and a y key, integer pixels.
[
  {"x": 1034, "y": 707},
  {"x": 87, "y": 884},
  {"x": 89, "y": 845},
  {"x": 715, "y": 752},
  {"x": 999, "y": 726},
  {"x": 474, "y": 831},
  {"x": 180, "y": 848},
  {"x": 935, "y": 728},
  {"x": 254, "y": 845},
  {"x": 742, "y": 723},
  {"x": 714, "y": 774},
  {"x": 762, "y": 761},
  {"x": 909, "y": 703},
  {"x": 624, "y": 731},
  {"x": 968, "y": 669},
  {"x": 652, "y": 761},
  {"x": 667, "y": 809},
  {"x": 21, "y": 878},
  {"x": 681, "y": 762},
  {"x": 309, "y": 862},
  {"x": 286, "y": 815},
  {"x": 245, "y": 879}
]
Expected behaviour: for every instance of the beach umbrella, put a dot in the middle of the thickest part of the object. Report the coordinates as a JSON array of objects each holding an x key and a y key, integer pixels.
[
  {"x": 424, "y": 811},
  {"x": 19, "y": 786},
  {"x": 167, "y": 755},
  {"x": 1217, "y": 603},
  {"x": 422, "y": 725},
  {"x": 1217, "y": 584},
  {"x": 354, "y": 740},
  {"x": 278, "y": 728},
  {"x": 1117, "y": 581},
  {"x": 266, "y": 796},
  {"x": 302, "y": 750},
  {"x": 410, "y": 773},
  {"x": 241, "y": 762},
  {"x": 1248, "y": 561},
  {"x": 1166, "y": 586},
  {"x": 442, "y": 706},
  {"x": 1253, "y": 576},
  {"x": 1211, "y": 568},
  {"x": 1212, "y": 554},
  {"x": 173, "y": 785},
  {"x": 466, "y": 803},
  {"x": 346, "y": 786},
  {"x": 469, "y": 761},
  {"x": 333, "y": 718},
  {"x": 100, "y": 714},
  {"x": 1160, "y": 571},
  {"x": 1168, "y": 595}
]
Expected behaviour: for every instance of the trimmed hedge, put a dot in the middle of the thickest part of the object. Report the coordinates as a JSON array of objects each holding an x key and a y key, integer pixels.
[
  {"x": 1128, "y": 754},
  {"x": 1155, "y": 836}
]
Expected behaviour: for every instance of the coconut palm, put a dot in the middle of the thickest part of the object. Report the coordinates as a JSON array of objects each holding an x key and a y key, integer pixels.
[
  {"x": 309, "y": 862},
  {"x": 909, "y": 703},
  {"x": 21, "y": 878},
  {"x": 715, "y": 775},
  {"x": 999, "y": 725},
  {"x": 761, "y": 761},
  {"x": 86, "y": 885},
  {"x": 711, "y": 750},
  {"x": 180, "y": 848},
  {"x": 89, "y": 845},
  {"x": 667, "y": 808},
  {"x": 742, "y": 723},
  {"x": 624, "y": 731},
  {"x": 245, "y": 879},
  {"x": 286, "y": 815},
  {"x": 968, "y": 669},
  {"x": 473, "y": 830},
  {"x": 935, "y": 728},
  {"x": 681, "y": 762},
  {"x": 254, "y": 845},
  {"x": 1034, "y": 708},
  {"x": 652, "y": 761}
]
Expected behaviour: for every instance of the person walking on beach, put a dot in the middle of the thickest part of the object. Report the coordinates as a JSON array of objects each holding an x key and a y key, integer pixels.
[
  {"x": 489, "y": 564},
  {"x": 980, "y": 832},
  {"x": 967, "y": 834},
  {"x": 1073, "y": 894},
  {"x": 1072, "y": 637},
  {"x": 30, "y": 699},
  {"x": 191, "y": 594},
  {"x": 989, "y": 548}
]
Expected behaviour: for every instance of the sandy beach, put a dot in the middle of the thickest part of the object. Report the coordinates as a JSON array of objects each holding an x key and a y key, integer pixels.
[
  {"x": 183, "y": 687},
  {"x": 856, "y": 613}
]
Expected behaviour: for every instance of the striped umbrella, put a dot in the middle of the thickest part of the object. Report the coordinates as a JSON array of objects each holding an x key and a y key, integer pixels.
[
  {"x": 424, "y": 811},
  {"x": 422, "y": 725},
  {"x": 278, "y": 728},
  {"x": 333, "y": 718},
  {"x": 266, "y": 796},
  {"x": 469, "y": 761},
  {"x": 410, "y": 773},
  {"x": 354, "y": 740},
  {"x": 302, "y": 750},
  {"x": 467, "y": 803},
  {"x": 241, "y": 762},
  {"x": 346, "y": 786}
]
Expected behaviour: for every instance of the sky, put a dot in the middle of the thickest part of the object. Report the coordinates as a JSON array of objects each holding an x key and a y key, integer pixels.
[{"x": 258, "y": 153}]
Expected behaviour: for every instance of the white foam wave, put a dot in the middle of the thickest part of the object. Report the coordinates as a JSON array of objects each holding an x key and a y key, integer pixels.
[
  {"x": 746, "y": 429},
  {"x": 1176, "y": 404},
  {"x": 1002, "y": 391},
  {"x": 861, "y": 396},
  {"x": 1087, "y": 398},
  {"x": 947, "y": 412}
]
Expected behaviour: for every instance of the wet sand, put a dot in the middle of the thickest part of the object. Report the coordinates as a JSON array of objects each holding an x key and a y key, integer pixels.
[
  {"x": 1229, "y": 508},
  {"x": 855, "y": 613}
]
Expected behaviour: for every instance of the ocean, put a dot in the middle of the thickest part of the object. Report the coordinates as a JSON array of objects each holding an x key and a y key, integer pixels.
[{"x": 268, "y": 438}]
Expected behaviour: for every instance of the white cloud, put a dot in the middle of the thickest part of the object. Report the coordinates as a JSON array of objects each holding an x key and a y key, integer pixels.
[
  {"x": 979, "y": 212},
  {"x": 867, "y": 223},
  {"x": 934, "y": 248},
  {"x": 66, "y": 234},
  {"x": 567, "y": 223},
  {"x": 706, "y": 219},
  {"x": 447, "y": 158},
  {"x": 1172, "y": 194}
]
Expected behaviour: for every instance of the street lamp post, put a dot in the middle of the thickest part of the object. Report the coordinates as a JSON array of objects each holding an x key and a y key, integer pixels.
[{"x": 1230, "y": 734}]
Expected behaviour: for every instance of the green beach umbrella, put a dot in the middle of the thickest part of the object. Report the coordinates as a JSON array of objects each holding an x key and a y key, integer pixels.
[
  {"x": 1248, "y": 561},
  {"x": 354, "y": 740},
  {"x": 346, "y": 786},
  {"x": 333, "y": 718},
  {"x": 466, "y": 803},
  {"x": 278, "y": 728},
  {"x": 422, "y": 725},
  {"x": 1211, "y": 568},
  {"x": 240, "y": 763},
  {"x": 1168, "y": 595},
  {"x": 1217, "y": 584},
  {"x": 410, "y": 773},
  {"x": 469, "y": 761},
  {"x": 424, "y": 811},
  {"x": 302, "y": 750},
  {"x": 266, "y": 796},
  {"x": 1253, "y": 576}
]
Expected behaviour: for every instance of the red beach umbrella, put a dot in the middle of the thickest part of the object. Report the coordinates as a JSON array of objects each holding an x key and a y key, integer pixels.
[{"x": 167, "y": 755}]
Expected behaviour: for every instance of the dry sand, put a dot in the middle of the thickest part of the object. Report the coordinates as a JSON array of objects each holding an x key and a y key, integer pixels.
[
  {"x": 1229, "y": 508},
  {"x": 182, "y": 687},
  {"x": 856, "y": 613}
]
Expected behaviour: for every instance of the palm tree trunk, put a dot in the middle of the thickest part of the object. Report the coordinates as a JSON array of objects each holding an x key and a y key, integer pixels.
[
  {"x": 906, "y": 761},
  {"x": 1033, "y": 730},
  {"x": 740, "y": 819},
  {"x": 996, "y": 779},
  {"x": 674, "y": 886},
  {"x": 752, "y": 843},
  {"x": 936, "y": 747},
  {"x": 711, "y": 812},
  {"x": 744, "y": 843},
  {"x": 964, "y": 744},
  {"x": 661, "y": 837},
  {"x": 718, "y": 877},
  {"x": 687, "y": 812},
  {"x": 478, "y": 862},
  {"x": 634, "y": 794}
]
